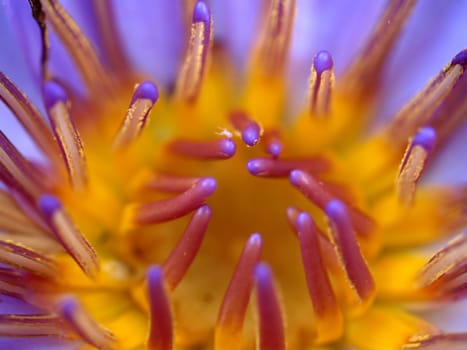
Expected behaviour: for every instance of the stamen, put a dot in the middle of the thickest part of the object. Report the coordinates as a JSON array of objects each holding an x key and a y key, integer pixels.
[
  {"x": 275, "y": 41},
  {"x": 74, "y": 242},
  {"x": 78, "y": 46},
  {"x": 321, "y": 84},
  {"x": 31, "y": 326},
  {"x": 18, "y": 172},
  {"x": 83, "y": 324},
  {"x": 182, "y": 256},
  {"x": 28, "y": 116},
  {"x": 316, "y": 192},
  {"x": 366, "y": 68},
  {"x": 24, "y": 258},
  {"x": 144, "y": 98},
  {"x": 414, "y": 162},
  {"x": 271, "y": 324},
  {"x": 169, "y": 183},
  {"x": 228, "y": 333},
  {"x": 161, "y": 324},
  {"x": 328, "y": 313},
  {"x": 442, "y": 99},
  {"x": 438, "y": 341},
  {"x": 12, "y": 284},
  {"x": 267, "y": 167},
  {"x": 194, "y": 66},
  {"x": 67, "y": 136},
  {"x": 172, "y": 208},
  {"x": 347, "y": 248},
  {"x": 272, "y": 142},
  {"x": 249, "y": 129},
  {"x": 223, "y": 148}
]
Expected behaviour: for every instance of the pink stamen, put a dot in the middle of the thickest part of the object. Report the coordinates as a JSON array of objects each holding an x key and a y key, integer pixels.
[
  {"x": 267, "y": 167},
  {"x": 249, "y": 129},
  {"x": 321, "y": 84},
  {"x": 182, "y": 256},
  {"x": 161, "y": 323},
  {"x": 228, "y": 334},
  {"x": 223, "y": 148},
  {"x": 272, "y": 142},
  {"x": 271, "y": 324},
  {"x": 170, "y": 183},
  {"x": 23, "y": 326}
]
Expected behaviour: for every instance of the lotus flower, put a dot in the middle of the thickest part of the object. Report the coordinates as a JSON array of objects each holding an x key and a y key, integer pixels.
[{"x": 232, "y": 174}]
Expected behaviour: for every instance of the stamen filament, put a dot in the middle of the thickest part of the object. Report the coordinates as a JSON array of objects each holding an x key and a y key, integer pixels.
[
  {"x": 228, "y": 333},
  {"x": 74, "y": 242},
  {"x": 271, "y": 324},
  {"x": 182, "y": 256},
  {"x": 321, "y": 84},
  {"x": 223, "y": 148},
  {"x": 31, "y": 326},
  {"x": 169, "y": 183},
  {"x": 438, "y": 341},
  {"x": 161, "y": 324},
  {"x": 267, "y": 167},
  {"x": 67, "y": 135},
  {"x": 249, "y": 129},
  {"x": 272, "y": 142},
  {"x": 144, "y": 98}
]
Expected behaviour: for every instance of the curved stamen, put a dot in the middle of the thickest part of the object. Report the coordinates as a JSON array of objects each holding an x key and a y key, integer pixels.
[
  {"x": 182, "y": 256},
  {"x": 82, "y": 323},
  {"x": 74, "y": 242},
  {"x": 228, "y": 334},
  {"x": 321, "y": 84},
  {"x": 194, "y": 66},
  {"x": 77, "y": 45},
  {"x": 249, "y": 129},
  {"x": 414, "y": 162},
  {"x": 223, "y": 148},
  {"x": 438, "y": 341},
  {"x": 272, "y": 142},
  {"x": 328, "y": 313},
  {"x": 267, "y": 167},
  {"x": 274, "y": 43},
  {"x": 347, "y": 247},
  {"x": 144, "y": 98},
  {"x": 161, "y": 324},
  {"x": 28, "y": 116},
  {"x": 172, "y": 208},
  {"x": 318, "y": 194},
  {"x": 31, "y": 326},
  {"x": 271, "y": 324},
  {"x": 67, "y": 135}
]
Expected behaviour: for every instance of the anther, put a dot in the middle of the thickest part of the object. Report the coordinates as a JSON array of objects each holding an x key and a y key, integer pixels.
[
  {"x": 274, "y": 43},
  {"x": 161, "y": 323},
  {"x": 31, "y": 326},
  {"x": 28, "y": 116},
  {"x": 79, "y": 320},
  {"x": 248, "y": 128},
  {"x": 144, "y": 98},
  {"x": 192, "y": 72},
  {"x": 272, "y": 142},
  {"x": 321, "y": 84},
  {"x": 437, "y": 341},
  {"x": 317, "y": 193},
  {"x": 267, "y": 167},
  {"x": 413, "y": 163},
  {"x": 182, "y": 256},
  {"x": 328, "y": 313},
  {"x": 223, "y": 148},
  {"x": 72, "y": 240},
  {"x": 67, "y": 135},
  {"x": 347, "y": 247},
  {"x": 172, "y": 208},
  {"x": 228, "y": 333},
  {"x": 271, "y": 324}
]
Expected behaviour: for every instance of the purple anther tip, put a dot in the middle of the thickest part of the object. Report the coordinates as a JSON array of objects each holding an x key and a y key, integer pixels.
[
  {"x": 254, "y": 166},
  {"x": 201, "y": 12},
  {"x": 208, "y": 184},
  {"x": 68, "y": 306},
  {"x": 335, "y": 209},
  {"x": 323, "y": 61},
  {"x": 460, "y": 58},
  {"x": 53, "y": 93},
  {"x": 425, "y": 137},
  {"x": 295, "y": 177},
  {"x": 302, "y": 220},
  {"x": 262, "y": 273},
  {"x": 49, "y": 204},
  {"x": 204, "y": 210},
  {"x": 228, "y": 147},
  {"x": 154, "y": 275},
  {"x": 275, "y": 149},
  {"x": 255, "y": 239},
  {"x": 250, "y": 135},
  {"x": 146, "y": 90}
]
